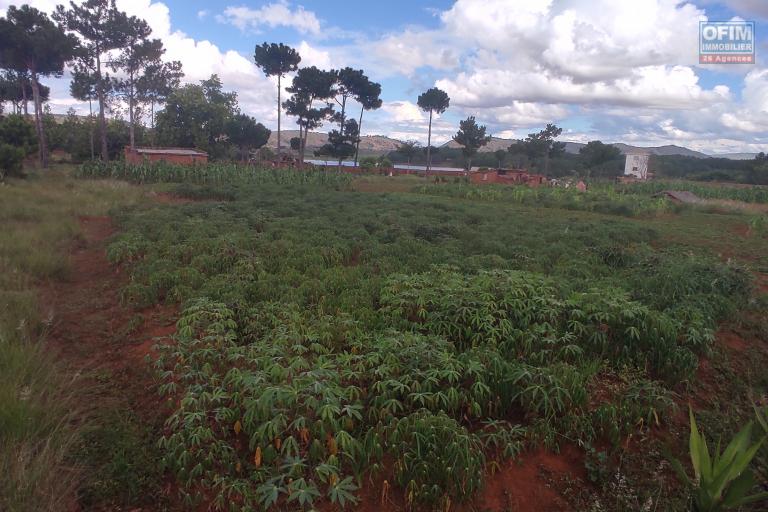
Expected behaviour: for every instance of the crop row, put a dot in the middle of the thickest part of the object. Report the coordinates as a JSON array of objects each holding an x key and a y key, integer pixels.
[
  {"x": 601, "y": 199},
  {"x": 324, "y": 346},
  {"x": 747, "y": 194},
  {"x": 210, "y": 174}
]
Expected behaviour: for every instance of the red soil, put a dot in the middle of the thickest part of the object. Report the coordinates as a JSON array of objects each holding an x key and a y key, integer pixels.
[
  {"x": 90, "y": 326},
  {"x": 101, "y": 341},
  {"x": 731, "y": 340},
  {"x": 525, "y": 485}
]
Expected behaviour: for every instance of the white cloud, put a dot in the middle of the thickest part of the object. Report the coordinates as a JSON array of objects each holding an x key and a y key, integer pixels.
[
  {"x": 627, "y": 69},
  {"x": 404, "y": 111},
  {"x": 311, "y": 56},
  {"x": 202, "y": 14},
  {"x": 279, "y": 14}
]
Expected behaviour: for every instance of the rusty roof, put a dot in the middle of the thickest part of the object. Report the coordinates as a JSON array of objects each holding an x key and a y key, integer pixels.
[{"x": 171, "y": 151}]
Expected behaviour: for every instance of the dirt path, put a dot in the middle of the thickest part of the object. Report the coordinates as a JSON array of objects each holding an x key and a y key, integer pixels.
[
  {"x": 103, "y": 343},
  {"x": 89, "y": 325}
]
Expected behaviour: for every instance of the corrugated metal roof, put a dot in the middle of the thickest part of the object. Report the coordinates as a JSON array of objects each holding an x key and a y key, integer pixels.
[{"x": 170, "y": 151}]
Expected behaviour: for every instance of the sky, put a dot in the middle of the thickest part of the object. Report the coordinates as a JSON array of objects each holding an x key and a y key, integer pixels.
[{"x": 612, "y": 70}]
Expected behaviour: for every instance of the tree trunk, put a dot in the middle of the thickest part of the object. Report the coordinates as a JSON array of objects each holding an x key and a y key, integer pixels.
[
  {"x": 132, "y": 125},
  {"x": 131, "y": 115},
  {"x": 359, "y": 135},
  {"x": 300, "y": 155},
  {"x": 90, "y": 125},
  {"x": 279, "y": 146},
  {"x": 24, "y": 99},
  {"x": 429, "y": 145},
  {"x": 102, "y": 120},
  {"x": 42, "y": 143},
  {"x": 152, "y": 120},
  {"x": 341, "y": 128}
]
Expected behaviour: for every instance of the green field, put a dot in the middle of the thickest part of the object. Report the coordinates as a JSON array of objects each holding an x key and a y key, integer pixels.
[{"x": 340, "y": 338}]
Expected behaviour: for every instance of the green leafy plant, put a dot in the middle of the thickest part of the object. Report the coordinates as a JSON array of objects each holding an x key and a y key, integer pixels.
[{"x": 722, "y": 480}]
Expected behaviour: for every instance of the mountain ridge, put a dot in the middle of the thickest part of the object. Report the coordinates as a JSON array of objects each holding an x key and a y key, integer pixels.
[{"x": 382, "y": 144}]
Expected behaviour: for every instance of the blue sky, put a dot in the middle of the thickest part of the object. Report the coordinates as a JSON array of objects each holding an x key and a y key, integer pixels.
[{"x": 618, "y": 71}]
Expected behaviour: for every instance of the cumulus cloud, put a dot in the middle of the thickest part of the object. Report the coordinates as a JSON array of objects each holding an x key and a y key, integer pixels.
[
  {"x": 279, "y": 14},
  {"x": 628, "y": 70}
]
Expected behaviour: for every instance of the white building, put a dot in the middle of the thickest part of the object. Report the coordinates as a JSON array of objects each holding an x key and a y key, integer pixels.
[{"x": 637, "y": 165}]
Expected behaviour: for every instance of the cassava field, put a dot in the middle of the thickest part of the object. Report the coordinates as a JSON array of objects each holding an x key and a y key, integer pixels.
[{"x": 224, "y": 338}]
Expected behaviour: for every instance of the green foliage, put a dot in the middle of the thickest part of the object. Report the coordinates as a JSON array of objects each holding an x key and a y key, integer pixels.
[
  {"x": 161, "y": 172},
  {"x": 601, "y": 199},
  {"x": 320, "y": 337},
  {"x": 245, "y": 133},
  {"x": 436, "y": 459},
  {"x": 746, "y": 194},
  {"x": 471, "y": 137},
  {"x": 17, "y": 141},
  {"x": 197, "y": 116},
  {"x": 722, "y": 480}
]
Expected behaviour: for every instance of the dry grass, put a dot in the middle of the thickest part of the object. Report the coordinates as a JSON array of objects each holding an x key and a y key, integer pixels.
[{"x": 40, "y": 418}]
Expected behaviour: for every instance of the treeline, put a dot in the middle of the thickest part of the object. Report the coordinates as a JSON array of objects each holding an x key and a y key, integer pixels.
[{"x": 134, "y": 95}]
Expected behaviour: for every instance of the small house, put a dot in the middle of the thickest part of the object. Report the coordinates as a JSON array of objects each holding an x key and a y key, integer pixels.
[{"x": 178, "y": 156}]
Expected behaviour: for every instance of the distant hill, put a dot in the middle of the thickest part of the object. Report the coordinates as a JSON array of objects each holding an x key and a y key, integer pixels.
[
  {"x": 574, "y": 147},
  {"x": 381, "y": 145},
  {"x": 669, "y": 149},
  {"x": 369, "y": 144},
  {"x": 736, "y": 156},
  {"x": 494, "y": 144}
]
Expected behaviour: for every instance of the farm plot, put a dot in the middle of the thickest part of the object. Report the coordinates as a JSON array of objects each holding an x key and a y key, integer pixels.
[{"x": 334, "y": 343}]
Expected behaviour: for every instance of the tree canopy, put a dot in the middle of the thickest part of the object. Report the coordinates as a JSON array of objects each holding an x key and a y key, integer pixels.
[
  {"x": 596, "y": 153},
  {"x": 197, "y": 115},
  {"x": 31, "y": 43},
  {"x": 276, "y": 60},
  {"x": 432, "y": 100},
  {"x": 471, "y": 137},
  {"x": 102, "y": 28},
  {"x": 246, "y": 134}
]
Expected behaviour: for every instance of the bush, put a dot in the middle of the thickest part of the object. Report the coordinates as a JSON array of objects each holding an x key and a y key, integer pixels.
[{"x": 17, "y": 140}]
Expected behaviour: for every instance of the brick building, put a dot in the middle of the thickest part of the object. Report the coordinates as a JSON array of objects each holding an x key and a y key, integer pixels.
[
  {"x": 508, "y": 176},
  {"x": 180, "y": 156}
]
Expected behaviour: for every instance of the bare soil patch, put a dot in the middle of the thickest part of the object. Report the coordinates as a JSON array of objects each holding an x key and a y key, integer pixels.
[{"x": 102, "y": 342}]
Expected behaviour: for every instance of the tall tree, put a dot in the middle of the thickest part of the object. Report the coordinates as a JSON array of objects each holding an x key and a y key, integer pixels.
[
  {"x": 83, "y": 88},
  {"x": 197, "y": 115},
  {"x": 541, "y": 145},
  {"x": 409, "y": 149},
  {"x": 277, "y": 60},
  {"x": 434, "y": 100},
  {"x": 472, "y": 137},
  {"x": 31, "y": 43},
  {"x": 369, "y": 99},
  {"x": 134, "y": 58},
  {"x": 349, "y": 83},
  {"x": 596, "y": 153},
  {"x": 341, "y": 143},
  {"x": 310, "y": 85},
  {"x": 246, "y": 134},
  {"x": 156, "y": 84},
  {"x": 102, "y": 29}
]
